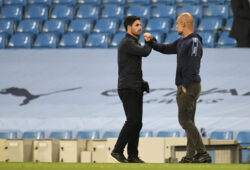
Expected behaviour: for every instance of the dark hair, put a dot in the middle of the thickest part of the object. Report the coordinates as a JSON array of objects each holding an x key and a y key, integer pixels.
[{"x": 129, "y": 20}]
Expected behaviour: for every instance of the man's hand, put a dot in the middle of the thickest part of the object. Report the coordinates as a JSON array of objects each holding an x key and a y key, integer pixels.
[
  {"x": 147, "y": 36},
  {"x": 184, "y": 89}
]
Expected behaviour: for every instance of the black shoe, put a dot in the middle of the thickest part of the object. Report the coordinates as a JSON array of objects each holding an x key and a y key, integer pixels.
[
  {"x": 135, "y": 159},
  {"x": 202, "y": 158},
  {"x": 186, "y": 160},
  {"x": 119, "y": 157}
]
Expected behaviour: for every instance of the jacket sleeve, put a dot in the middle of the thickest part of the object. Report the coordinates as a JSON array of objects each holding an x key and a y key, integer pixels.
[
  {"x": 191, "y": 68},
  {"x": 135, "y": 49},
  {"x": 164, "y": 48},
  {"x": 238, "y": 11}
]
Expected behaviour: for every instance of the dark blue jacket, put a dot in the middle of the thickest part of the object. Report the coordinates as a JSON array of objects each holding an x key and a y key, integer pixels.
[{"x": 189, "y": 53}]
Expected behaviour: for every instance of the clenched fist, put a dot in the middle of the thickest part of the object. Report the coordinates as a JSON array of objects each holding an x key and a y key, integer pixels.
[{"x": 147, "y": 36}]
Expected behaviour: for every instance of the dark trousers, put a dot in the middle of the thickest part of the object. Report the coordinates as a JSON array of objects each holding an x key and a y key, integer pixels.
[
  {"x": 186, "y": 113},
  {"x": 132, "y": 103}
]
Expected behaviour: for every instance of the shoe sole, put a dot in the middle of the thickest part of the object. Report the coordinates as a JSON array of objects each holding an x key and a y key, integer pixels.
[{"x": 116, "y": 160}]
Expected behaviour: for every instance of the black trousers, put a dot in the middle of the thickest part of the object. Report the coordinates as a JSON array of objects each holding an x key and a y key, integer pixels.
[
  {"x": 186, "y": 113},
  {"x": 132, "y": 103}
]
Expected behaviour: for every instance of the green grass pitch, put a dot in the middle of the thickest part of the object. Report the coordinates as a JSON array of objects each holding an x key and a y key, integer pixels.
[{"x": 118, "y": 166}]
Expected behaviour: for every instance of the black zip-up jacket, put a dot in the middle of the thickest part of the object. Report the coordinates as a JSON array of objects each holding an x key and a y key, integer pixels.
[
  {"x": 189, "y": 53},
  {"x": 130, "y": 54}
]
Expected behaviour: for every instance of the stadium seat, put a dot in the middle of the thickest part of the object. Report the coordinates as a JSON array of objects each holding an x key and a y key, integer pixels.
[
  {"x": 195, "y": 10},
  {"x": 172, "y": 134},
  {"x": 226, "y": 41},
  {"x": 187, "y": 1},
  {"x": 46, "y": 40},
  {"x": 8, "y": 135},
  {"x": 111, "y": 134},
  {"x": 112, "y": 11},
  {"x": 117, "y": 38},
  {"x": 98, "y": 40},
  {"x": 165, "y": 2},
  {"x": 20, "y": 40},
  {"x": 14, "y": 2},
  {"x": 2, "y": 40},
  {"x": 11, "y": 12},
  {"x": 6, "y": 26},
  {"x": 87, "y": 11},
  {"x": 106, "y": 25},
  {"x": 54, "y": 25},
  {"x": 92, "y": 2},
  {"x": 230, "y": 12},
  {"x": 141, "y": 2},
  {"x": 28, "y": 25},
  {"x": 215, "y": 10},
  {"x": 162, "y": 11},
  {"x": 212, "y": 1},
  {"x": 36, "y": 12},
  {"x": 122, "y": 28},
  {"x": 229, "y": 24},
  {"x": 222, "y": 135},
  {"x": 71, "y": 40},
  {"x": 120, "y": 2},
  {"x": 243, "y": 138},
  {"x": 1, "y": 3},
  {"x": 61, "y": 135},
  {"x": 62, "y": 12},
  {"x": 208, "y": 38},
  {"x": 158, "y": 24},
  {"x": 64, "y": 2},
  {"x": 210, "y": 24},
  {"x": 39, "y": 2},
  {"x": 81, "y": 25},
  {"x": 88, "y": 135},
  {"x": 171, "y": 37},
  {"x": 33, "y": 135},
  {"x": 146, "y": 134},
  {"x": 138, "y": 10}
]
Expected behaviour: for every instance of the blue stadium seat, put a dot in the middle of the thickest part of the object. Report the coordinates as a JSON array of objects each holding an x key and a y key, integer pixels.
[
  {"x": 212, "y": 1},
  {"x": 20, "y": 40},
  {"x": 195, "y": 10},
  {"x": 72, "y": 40},
  {"x": 33, "y": 135},
  {"x": 162, "y": 11},
  {"x": 230, "y": 12},
  {"x": 1, "y": 3},
  {"x": 158, "y": 24},
  {"x": 8, "y": 135},
  {"x": 120, "y": 2},
  {"x": 61, "y": 135},
  {"x": 46, "y": 40},
  {"x": 172, "y": 134},
  {"x": 122, "y": 28},
  {"x": 92, "y": 134},
  {"x": 98, "y": 40},
  {"x": 2, "y": 40},
  {"x": 210, "y": 24},
  {"x": 28, "y": 25},
  {"x": 64, "y": 2},
  {"x": 138, "y": 10},
  {"x": 6, "y": 26},
  {"x": 92, "y": 2},
  {"x": 55, "y": 25},
  {"x": 14, "y": 2},
  {"x": 39, "y": 2},
  {"x": 171, "y": 37},
  {"x": 215, "y": 10},
  {"x": 106, "y": 25},
  {"x": 111, "y": 134},
  {"x": 36, "y": 12},
  {"x": 62, "y": 12},
  {"x": 112, "y": 11},
  {"x": 243, "y": 138},
  {"x": 81, "y": 25},
  {"x": 117, "y": 38},
  {"x": 141, "y": 2},
  {"x": 165, "y": 2},
  {"x": 229, "y": 24},
  {"x": 187, "y": 1},
  {"x": 226, "y": 41},
  {"x": 146, "y": 134},
  {"x": 87, "y": 11},
  {"x": 222, "y": 135},
  {"x": 208, "y": 38},
  {"x": 11, "y": 12}
]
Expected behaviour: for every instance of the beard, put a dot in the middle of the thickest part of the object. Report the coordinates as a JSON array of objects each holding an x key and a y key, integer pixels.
[{"x": 180, "y": 32}]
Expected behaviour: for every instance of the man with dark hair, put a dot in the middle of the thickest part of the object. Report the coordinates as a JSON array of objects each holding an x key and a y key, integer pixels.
[
  {"x": 130, "y": 89},
  {"x": 189, "y": 53}
]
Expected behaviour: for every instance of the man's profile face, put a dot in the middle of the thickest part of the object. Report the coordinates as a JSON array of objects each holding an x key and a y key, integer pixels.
[
  {"x": 179, "y": 26},
  {"x": 136, "y": 28}
]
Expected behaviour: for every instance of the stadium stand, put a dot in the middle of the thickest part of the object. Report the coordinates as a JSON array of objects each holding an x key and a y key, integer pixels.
[
  {"x": 8, "y": 135},
  {"x": 88, "y": 135},
  {"x": 20, "y": 40},
  {"x": 33, "y": 135},
  {"x": 46, "y": 40},
  {"x": 243, "y": 138},
  {"x": 168, "y": 134},
  {"x": 71, "y": 40},
  {"x": 222, "y": 135},
  {"x": 146, "y": 133},
  {"x": 61, "y": 135},
  {"x": 29, "y": 26},
  {"x": 110, "y": 134},
  {"x": 36, "y": 12}
]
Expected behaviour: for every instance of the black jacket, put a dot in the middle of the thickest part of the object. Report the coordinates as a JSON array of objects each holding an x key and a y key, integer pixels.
[
  {"x": 130, "y": 54},
  {"x": 189, "y": 53},
  {"x": 241, "y": 23}
]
